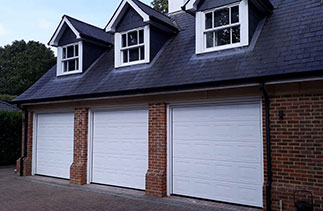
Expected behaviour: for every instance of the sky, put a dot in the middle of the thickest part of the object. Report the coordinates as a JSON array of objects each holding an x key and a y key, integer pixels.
[{"x": 38, "y": 19}]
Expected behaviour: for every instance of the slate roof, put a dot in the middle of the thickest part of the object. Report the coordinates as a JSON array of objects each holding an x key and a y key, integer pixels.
[
  {"x": 290, "y": 43},
  {"x": 89, "y": 31},
  {"x": 4, "y": 106}
]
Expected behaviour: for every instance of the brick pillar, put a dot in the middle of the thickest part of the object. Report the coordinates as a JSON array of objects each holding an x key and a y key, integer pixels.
[
  {"x": 157, "y": 168},
  {"x": 27, "y": 161},
  {"x": 78, "y": 171}
]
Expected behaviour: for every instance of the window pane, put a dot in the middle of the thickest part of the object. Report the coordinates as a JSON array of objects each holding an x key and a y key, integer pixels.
[
  {"x": 124, "y": 40},
  {"x": 125, "y": 56},
  {"x": 235, "y": 14},
  {"x": 221, "y": 17},
  {"x": 77, "y": 64},
  {"x": 76, "y": 50},
  {"x": 65, "y": 66},
  {"x": 71, "y": 65},
  {"x": 222, "y": 37},
  {"x": 64, "y": 53},
  {"x": 132, "y": 38},
  {"x": 209, "y": 39},
  {"x": 141, "y": 36},
  {"x": 70, "y": 51},
  {"x": 142, "y": 53},
  {"x": 236, "y": 34},
  {"x": 134, "y": 54},
  {"x": 208, "y": 20}
]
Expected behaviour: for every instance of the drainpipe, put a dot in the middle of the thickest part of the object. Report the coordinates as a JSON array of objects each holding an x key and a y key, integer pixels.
[
  {"x": 25, "y": 143},
  {"x": 268, "y": 147}
]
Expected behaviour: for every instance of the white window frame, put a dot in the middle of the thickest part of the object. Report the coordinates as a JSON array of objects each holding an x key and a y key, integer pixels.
[
  {"x": 60, "y": 59},
  {"x": 243, "y": 22},
  {"x": 118, "y": 49}
]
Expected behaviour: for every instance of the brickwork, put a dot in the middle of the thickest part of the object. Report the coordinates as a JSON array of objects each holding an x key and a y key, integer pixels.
[
  {"x": 78, "y": 171},
  {"x": 27, "y": 161},
  {"x": 157, "y": 169},
  {"x": 297, "y": 148}
]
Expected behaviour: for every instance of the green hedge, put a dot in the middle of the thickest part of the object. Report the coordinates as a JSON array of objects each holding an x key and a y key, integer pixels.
[{"x": 10, "y": 136}]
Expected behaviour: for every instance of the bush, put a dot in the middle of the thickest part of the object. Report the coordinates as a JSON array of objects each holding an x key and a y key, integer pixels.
[{"x": 10, "y": 136}]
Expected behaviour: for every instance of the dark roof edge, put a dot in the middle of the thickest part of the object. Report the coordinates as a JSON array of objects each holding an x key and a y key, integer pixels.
[{"x": 188, "y": 87}]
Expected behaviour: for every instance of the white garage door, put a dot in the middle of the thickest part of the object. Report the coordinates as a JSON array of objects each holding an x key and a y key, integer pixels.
[
  {"x": 120, "y": 147},
  {"x": 54, "y": 144},
  {"x": 217, "y": 152}
]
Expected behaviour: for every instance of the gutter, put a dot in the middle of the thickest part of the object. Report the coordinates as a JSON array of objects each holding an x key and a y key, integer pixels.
[{"x": 268, "y": 146}]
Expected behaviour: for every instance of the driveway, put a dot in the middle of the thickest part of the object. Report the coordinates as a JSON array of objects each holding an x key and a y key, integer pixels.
[{"x": 42, "y": 193}]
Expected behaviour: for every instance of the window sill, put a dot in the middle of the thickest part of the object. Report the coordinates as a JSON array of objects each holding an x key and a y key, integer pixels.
[
  {"x": 220, "y": 48},
  {"x": 70, "y": 73},
  {"x": 133, "y": 63}
]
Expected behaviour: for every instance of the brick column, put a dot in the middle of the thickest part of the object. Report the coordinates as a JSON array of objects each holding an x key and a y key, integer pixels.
[
  {"x": 78, "y": 171},
  {"x": 27, "y": 161},
  {"x": 157, "y": 168}
]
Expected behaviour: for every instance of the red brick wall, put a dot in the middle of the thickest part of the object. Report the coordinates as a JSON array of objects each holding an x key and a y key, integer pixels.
[
  {"x": 297, "y": 148},
  {"x": 27, "y": 161},
  {"x": 157, "y": 168},
  {"x": 78, "y": 171}
]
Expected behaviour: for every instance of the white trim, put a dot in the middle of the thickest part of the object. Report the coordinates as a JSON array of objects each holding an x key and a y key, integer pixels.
[
  {"x": 200, "y": 45},
  {"x": 120, "y": 12},
  {"x": 34, "y": 142},
  {"x": 59, "y": 71},
  {"x": 60, "y": 30},
  {"x": 118, "y": 62},
  {"x": 222, "y": 101},
  {"x": 192, "y": 4},
  {"x": 90, "y": 146}
]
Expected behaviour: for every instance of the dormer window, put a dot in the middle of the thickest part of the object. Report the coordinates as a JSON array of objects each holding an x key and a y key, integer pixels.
[
  {"x": 222, "y": 28},
  {"x": 132, "y": 47},
  {"x": 70, "y": 60}
]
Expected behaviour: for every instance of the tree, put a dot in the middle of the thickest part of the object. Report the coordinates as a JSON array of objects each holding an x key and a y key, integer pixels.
[
  {"x": 22, "y": 64},
  {"x": 160, "y": 5}
]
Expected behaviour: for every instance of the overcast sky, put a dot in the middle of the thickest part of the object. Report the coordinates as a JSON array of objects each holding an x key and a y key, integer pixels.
[{"x": 38, "y": 19}]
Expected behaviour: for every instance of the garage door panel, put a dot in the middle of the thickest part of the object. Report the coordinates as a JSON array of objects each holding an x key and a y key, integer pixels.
[
  {"x": 120, "y": 147},
  {"x": 217, "y": 152},
  {"x": 54, "y": 144}
]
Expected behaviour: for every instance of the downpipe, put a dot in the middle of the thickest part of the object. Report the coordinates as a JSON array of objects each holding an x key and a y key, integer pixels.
[
  {"x": 25, "y": 143},
  {"x": 268, "y": 146}
]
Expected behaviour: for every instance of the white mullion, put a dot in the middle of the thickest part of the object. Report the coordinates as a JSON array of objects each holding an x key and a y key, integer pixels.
[{"x": 222, "y": 27}]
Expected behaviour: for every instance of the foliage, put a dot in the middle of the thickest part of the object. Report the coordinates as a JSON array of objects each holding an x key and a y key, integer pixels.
[
  {"x": 22, "y": 64},
  {"x": 10, "y": 136},
  {"x": 7, "y": 98},
  {"x": 160, "y": 5}
]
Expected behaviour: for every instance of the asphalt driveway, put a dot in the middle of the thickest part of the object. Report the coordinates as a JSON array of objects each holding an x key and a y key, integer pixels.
[{"x": 38, "y": 193}]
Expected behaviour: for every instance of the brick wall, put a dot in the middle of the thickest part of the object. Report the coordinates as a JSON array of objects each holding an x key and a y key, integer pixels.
[
  {"x": 297, "y": 148},
  {"x": 157, "y": 168},
  {"x": 27, "y": 161},
  {"x": 78, "y": 170}
]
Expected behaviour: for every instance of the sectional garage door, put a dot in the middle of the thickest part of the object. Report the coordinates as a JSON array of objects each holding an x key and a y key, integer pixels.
[
  {"x": 54, "y": 144},
  {"x": 217, "y": 152},
  {"x": 120, "y": 147}
]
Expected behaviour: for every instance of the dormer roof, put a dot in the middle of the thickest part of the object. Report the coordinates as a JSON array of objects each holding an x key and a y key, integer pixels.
[
  {"x": 81, "y": 30},
  {"x": 148, "y": 14},
  {"x": 264, "y": 6}
]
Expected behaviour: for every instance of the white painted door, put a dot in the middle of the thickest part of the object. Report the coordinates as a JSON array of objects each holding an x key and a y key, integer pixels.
[
  {"x": 54, "y": 144},
  {"x": 217, "y": 152},
  {"x": 120, "y": 147}
]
